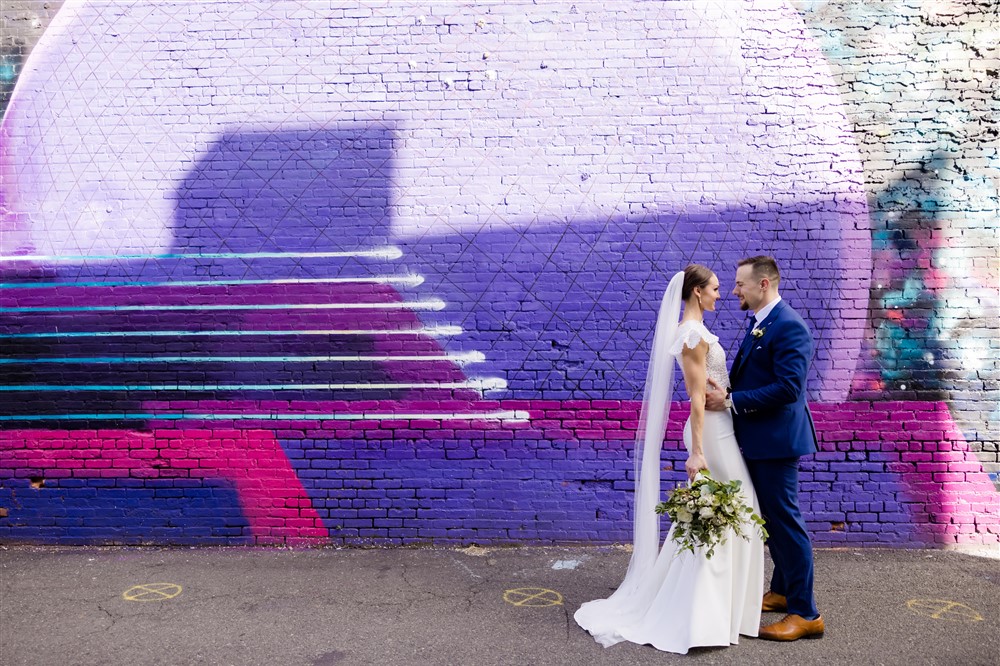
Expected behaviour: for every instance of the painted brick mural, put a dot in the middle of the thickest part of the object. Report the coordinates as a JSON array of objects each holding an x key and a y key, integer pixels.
[{"x": 339, "y": 273}]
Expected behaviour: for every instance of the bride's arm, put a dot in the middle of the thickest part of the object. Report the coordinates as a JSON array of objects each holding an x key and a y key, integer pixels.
[{"x": 694, "y": 363}]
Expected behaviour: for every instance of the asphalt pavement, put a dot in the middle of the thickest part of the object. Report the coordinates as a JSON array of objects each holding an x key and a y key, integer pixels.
[{"x": 480, "y": 606}]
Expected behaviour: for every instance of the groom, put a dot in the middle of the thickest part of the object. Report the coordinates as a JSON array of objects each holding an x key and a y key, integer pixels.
[{"x": 773, "y": 428}]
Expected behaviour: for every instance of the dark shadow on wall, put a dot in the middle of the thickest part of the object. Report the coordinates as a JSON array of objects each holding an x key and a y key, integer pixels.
[
  {"x": 567, "y": 310},
  {"x": 288, "y": 191},
  {"x": 275, "y": 232},
  {"x": 559, "y": 310}
]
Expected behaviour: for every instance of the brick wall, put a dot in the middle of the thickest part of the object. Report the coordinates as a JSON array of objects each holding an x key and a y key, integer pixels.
[
  {"x": 334, "y": 273},
  {"x": 922, "y": 85}
]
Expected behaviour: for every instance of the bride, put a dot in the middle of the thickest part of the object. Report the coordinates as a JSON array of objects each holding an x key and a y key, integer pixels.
[{"x": 678, "y": 600}]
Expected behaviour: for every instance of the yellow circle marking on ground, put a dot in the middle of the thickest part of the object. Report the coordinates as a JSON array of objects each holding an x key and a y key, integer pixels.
[
  {"x": 532, "y": 596},
  {"x": 942, "y": 609},
  {"x": 152, "y": 592}
]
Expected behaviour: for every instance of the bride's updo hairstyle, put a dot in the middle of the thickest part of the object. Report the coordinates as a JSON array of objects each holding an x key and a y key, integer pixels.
[{"x": 695, "y": 275}]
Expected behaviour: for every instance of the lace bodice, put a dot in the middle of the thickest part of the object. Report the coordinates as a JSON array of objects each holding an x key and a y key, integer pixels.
[{"x": 689, "y": 334}]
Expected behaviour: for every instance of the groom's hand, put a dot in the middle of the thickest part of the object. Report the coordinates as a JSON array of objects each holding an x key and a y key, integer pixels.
[{"x": 715, "y": 397}]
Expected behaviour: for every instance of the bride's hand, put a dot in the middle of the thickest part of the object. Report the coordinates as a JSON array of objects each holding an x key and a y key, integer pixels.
[{"x": 694, "y": 464}]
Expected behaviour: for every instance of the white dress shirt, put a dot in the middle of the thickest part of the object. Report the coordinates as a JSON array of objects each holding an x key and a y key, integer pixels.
[{"x": 761, "y": 314}]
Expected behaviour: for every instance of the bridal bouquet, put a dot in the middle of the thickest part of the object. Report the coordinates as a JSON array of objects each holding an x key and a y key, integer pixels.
[{"x": 705, "y": 511}]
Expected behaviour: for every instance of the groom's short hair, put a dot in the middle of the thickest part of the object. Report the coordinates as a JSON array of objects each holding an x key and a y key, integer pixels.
[{"x": 763, "y": 267}]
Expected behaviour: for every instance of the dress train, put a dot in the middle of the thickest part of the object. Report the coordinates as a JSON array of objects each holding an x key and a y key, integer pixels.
[{"x": 687, "y": 600}]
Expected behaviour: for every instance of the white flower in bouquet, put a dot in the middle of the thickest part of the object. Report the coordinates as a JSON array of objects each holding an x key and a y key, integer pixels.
[{"x": 706, "y": 512}]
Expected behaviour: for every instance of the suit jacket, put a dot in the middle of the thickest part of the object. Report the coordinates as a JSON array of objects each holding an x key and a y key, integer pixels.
[{"x": 768, "y": 380}]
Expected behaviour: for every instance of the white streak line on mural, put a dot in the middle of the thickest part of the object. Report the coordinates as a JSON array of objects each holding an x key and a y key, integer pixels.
[
  {"x": 491, "y": 383},
  {"x": 459, "y": 358},
  {"x": 430, "y": 304},
  {"x": 381, "y": 253},
  {"x": 405, "y": 280},
  {"x": 430, "y": 331},
  {"x": 516, "y": 415}
]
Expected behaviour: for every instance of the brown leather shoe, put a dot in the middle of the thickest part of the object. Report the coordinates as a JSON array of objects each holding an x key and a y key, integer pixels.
[
  {"x": 774, "y": 603},
  {"x": 792, "y": 628}
]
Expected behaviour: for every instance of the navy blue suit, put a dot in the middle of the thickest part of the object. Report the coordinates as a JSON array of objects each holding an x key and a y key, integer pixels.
[{"x": 773, "y": 428}]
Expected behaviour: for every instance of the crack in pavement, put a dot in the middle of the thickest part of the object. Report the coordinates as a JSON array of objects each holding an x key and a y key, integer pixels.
[{"x": 111, "y": 616}]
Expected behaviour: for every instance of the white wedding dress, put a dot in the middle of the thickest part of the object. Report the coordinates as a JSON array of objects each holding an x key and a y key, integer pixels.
[{"x": 685, "y": 600}]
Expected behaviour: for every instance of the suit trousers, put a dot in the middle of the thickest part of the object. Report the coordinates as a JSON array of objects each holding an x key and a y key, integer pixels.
[{"x": 777, "y": 486}]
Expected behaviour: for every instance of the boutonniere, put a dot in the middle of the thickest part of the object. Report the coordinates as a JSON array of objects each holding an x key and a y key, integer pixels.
[{"x": 758, "y": 332}]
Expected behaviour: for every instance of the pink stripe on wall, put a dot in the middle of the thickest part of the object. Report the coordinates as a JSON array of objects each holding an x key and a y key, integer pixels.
[{"x": 893, "y": 473}]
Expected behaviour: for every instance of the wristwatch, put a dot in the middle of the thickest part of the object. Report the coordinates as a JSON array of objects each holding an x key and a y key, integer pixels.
[{"x": 728, "y": 402}]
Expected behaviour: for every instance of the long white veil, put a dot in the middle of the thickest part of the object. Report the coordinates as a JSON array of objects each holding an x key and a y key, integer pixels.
[{"x": 649, "y": 439}]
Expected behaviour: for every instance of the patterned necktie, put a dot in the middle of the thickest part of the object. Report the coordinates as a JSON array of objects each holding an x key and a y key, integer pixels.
[
  {"x": 750, "y": 327},
  {"x": 746, "y": 338}
]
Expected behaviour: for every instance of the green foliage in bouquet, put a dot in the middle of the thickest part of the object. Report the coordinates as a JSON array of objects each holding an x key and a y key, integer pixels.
[{"x": 704, "y": 512}]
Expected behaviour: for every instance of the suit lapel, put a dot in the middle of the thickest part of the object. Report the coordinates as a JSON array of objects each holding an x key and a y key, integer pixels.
[{"x": 748, "y": 343}]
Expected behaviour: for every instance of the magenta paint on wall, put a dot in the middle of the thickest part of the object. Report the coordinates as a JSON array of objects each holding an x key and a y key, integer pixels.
[{"x": 896, "y": 474}]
